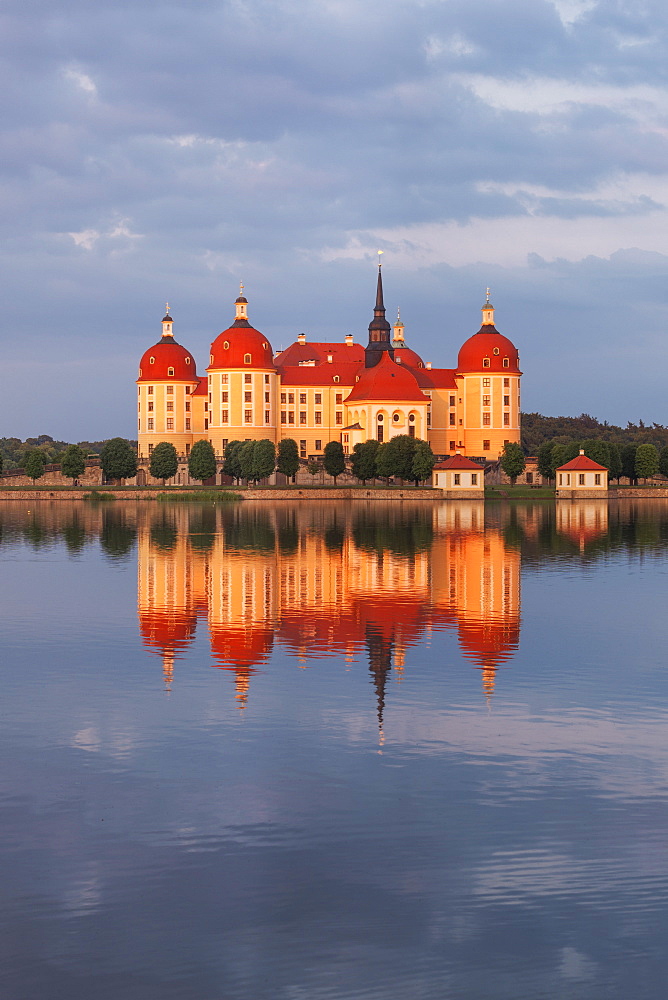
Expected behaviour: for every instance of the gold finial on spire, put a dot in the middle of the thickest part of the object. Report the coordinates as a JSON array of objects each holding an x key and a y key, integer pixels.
[
  {"x": 487, "y": 294},
  {"x": 166, "y": 308},
  {"x": 241, "y": 288},
  {"x": 379, "y": 260}
]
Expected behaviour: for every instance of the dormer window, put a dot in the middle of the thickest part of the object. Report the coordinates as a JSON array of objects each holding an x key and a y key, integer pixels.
[
  {"x": 140, "y": 373},
  {"x": 247, "y": 359},
  {"x": 265, "y": 346},
  {"x": 485, "y": 362},
  {"x": 170, "y": 371},
  {"x": 187, "y": 361},
  {"x": 335, "y": 378},
  {"x": 151, "y": 361},
  {"x": 506, "y": 363},
  {"x": 226, "y": 345},
  {"x": 496, "y": 350},
  {"x": 211, "y": 359}
]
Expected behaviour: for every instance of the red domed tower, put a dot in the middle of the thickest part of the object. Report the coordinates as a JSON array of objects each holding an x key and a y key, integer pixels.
[
  {"x": 242, "y": 384},
  {"x": 489, "y": 376},
  {"x": 166, "y": 383}
]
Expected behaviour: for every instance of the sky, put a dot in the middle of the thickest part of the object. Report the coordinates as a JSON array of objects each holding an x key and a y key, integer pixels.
[{"x": 168, "y": 151}]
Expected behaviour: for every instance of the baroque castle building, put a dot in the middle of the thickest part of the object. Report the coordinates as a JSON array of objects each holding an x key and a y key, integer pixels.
[{"x": 316, "y": 392}]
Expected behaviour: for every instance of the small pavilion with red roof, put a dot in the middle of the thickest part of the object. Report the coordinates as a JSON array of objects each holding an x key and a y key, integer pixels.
[
  {"x": 458, "y": 475},
  {"x": 582, "y": 477}
]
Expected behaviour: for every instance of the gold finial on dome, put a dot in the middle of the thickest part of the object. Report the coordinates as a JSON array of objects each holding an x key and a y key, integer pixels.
[
  {"x": 487, "y": 310},
  {"x": 167, "y": 322},
  {"x": 241, "y": 304}
]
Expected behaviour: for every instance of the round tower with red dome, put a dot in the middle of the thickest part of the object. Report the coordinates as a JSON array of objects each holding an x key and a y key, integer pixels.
[
  {"x": 488, "y": 376},
  {"x": 165, "y": 387},
  {"x": 243, "y": 384}
]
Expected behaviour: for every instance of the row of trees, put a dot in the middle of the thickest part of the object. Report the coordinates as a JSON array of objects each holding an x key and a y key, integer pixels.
[
  {"x": 536, "y": 429},
  {"x": 118, "y": 459},
  {"x": 402, "y": 456},
  {"x": 14, "y": 452},
  {"x": 631, "y": 460}
]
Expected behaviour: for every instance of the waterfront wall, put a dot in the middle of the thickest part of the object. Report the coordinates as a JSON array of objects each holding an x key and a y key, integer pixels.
[{"x": 275, "y": 494}]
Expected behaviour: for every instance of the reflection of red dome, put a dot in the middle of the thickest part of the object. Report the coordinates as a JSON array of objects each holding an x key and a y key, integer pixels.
[
  {"x": 488, "y": 345},
  {"x": 233, "y": 346},
  {"x": 489, "y": 642},
  {"x": 157, "y": 361},
  {"x": 241, "y": 647},
  {"x": 167, "y": 629},
  {"x": 387, "y": 381}
]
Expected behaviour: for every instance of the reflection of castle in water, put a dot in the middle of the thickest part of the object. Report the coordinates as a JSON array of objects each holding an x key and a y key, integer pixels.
[{"x": 322, "y": 580}]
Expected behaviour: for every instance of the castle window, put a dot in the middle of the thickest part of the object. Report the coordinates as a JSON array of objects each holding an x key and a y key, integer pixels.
[
  {"x": 506, "y": 420},
  {"x": 266, "y": 397},
  {"x": 223, "y": 379},
  {"x": 339, "y": 417},
  {"x": 206, "y": 423},
  {"x": 335, "y": 379},
  {"x": 339, "y": 398},
  {"x": 581, "y": 479},
  {"x": 457, "y": 478},
  {"x": 282, "y": 416},
  {"x": 187, "y": 423},
  {"x": 496, "y": 350},
  {"x": 150, "y": 423},
  {"x": 302, "y": 416},
  {"x": 506, "y": 363},
  {"x": 302, "y": 398},
  {"x": 140, "y": 373},
  {"x": 428, "y": 418},
  {"x": 412, "y": 418},
  {"x": 266, "y": 380},
  {"x": 150, "y": 406},
  {"x": 248, "y": 379},
  {"x": 452, "y": 446},
  {"x": 291, "y": 418},
  {"x": 170, "y": 405},
  {"x": 318, "y": 399},
  {"x": 506, "y": 383},
  {"x": 211, "y": 359},
  {"x": 486, "y": 419},
  {"x": 396, "y": 417},
  {"x": 453, "y": 420},
  {"x": 452, "y": 400},
  {"x": 226, "y": 345},
  {"x": 486, "y": 382},
  {"x": 266, "y": 416},
  {"x": 170, "y": 423},
  {"x": 248, "y": 397},
  {"x": 284, "y": 398},
  {"x": 485, "y": 445},
  {"x": 265, "y": 346},
  {"x": 485, "y": 362},
  {"x": 170, "y": 390},
  {"x": 150, "y": 449},
  {"x": 302, "y": 449},
  {"x": 247, "y": 359},
  {"x": 187, "y": 406},
  {"x": 225, "y": 416},
  {"x": 152, "y": 361},
  {"x": 486, "y": 400},
  {"x": 291, "y": 398},
  {"x": 248, "y": 416},
  {"x": 170, "y": 371},
  {"x": 318, "y": 417},
  {"x": 187, "y": 361},
  {"x": 597, "y": 479},
  {"x": 474, "y": 479},
  {"x": 318, "y": 445},
  {"x": 506, "y": 400},
  {"x": 225, "y": 397}
]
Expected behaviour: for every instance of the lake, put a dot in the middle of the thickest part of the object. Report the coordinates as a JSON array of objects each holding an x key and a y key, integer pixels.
[{"x": 314, "y": 751}]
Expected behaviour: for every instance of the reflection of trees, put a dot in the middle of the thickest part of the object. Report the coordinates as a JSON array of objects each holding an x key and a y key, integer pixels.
[
  {"x": 288, "y": 531},
  {"x": 118, "y": 535},
  {"x": 248, "y": 528},
  {"x": 164, "y": 534},
  {"x": 74, "y": 535},
  {"x": 393, "y": 533},
  {"x": 202, "y": 528}
]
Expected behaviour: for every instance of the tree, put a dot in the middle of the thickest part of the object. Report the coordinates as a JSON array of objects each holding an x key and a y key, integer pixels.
[
  {"x": 598, "y": 450},
  {"x": 423, "y": 462},
  {"x": 231, "y": 465},
  {"x": 615, "y": 466},
  {"x": 647, "y": 461},
  {"x": 34, "y": 464},
  {"x": 384, "y": 461},
  {"x": 401, "y": 448},
  {"x": 629, "y": 462},
  {"x": 557, "y": 458},
  {"x": 544, "y": 456},
  {"x": 288, "y": 457},
  {"x": 663, "y": 461},
  {"x": 164, "y": 461},
  {"x": 363, "y": 462},
  {"x": 334, "y": 459},
  {"x": 118, "y": 459},
  {"x": 73, "y": 463},
  {"x": 513, "y": 461},
  {"x": 202, "y": 460},
  {"x": 264, "y": 459},
  {"x": 245, "y": 457},
  {"x": 313, "y": 468}
]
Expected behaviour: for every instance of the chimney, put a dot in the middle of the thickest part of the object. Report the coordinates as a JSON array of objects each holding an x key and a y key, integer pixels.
[
  {"x": 428, "y": 364},
  {"x": 349, "y": 340},
  {"x": 301, "y": 338},
  {"x": 398, "y": 359},
  {"x": 330, "y": 358}
]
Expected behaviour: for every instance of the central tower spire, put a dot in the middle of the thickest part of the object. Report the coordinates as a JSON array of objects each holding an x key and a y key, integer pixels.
[{"x": 379, "y": 329}]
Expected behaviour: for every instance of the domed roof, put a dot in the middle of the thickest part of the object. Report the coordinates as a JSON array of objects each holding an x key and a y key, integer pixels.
[
  {"x": 488, "y": 345},
  {"x": 407, "y": 355},
  {"x": 387, "y": 381},
  {"x": 233, "y": 347},
  {"x": 167, "y": 360}
]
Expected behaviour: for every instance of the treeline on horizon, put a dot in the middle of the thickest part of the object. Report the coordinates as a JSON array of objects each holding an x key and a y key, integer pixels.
[
  {"x": 14, "y": 451},
  {"x": 536, "y": 429}
]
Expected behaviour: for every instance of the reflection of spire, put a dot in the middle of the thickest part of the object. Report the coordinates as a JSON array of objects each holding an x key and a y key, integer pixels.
[
  {"x": 168, "y": 670},
  {"x": 488, "y": 668},
  {"x": 380, "y": 664}
]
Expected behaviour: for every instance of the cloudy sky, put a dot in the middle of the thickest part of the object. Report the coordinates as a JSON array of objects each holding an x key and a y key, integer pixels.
[{"x": 168, "y": 151}]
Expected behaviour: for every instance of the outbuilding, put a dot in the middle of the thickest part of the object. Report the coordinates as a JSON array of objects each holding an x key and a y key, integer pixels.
[
  {"x": 581, "y": 477},
  {"x": 459, "y": 476}
]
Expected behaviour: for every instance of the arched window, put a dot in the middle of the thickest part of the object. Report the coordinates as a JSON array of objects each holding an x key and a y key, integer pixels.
[
  {"x": 265, "y": 346},
  {"x": 211, "y": 359},
  {"x": 396, "y": 417},
  {"x": 496, "y": 350},
  {"x": 412, "y": 418},
  {"x": 170, "y": 371},
  {"x": 335, "y": 379},
  {"x": 226, "y": 345},
  {"x": 140, "y": 373},
  {"x": 151, "y": 361},
  {"x": 247, "y": 359},
  {"x": 187, "y": 361},
  {"x": 485, "y": 362},
  {"x": 506, "y": 363}
]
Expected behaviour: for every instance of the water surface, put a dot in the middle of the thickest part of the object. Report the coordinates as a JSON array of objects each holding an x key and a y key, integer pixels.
[{"x": 334, "y": 751}]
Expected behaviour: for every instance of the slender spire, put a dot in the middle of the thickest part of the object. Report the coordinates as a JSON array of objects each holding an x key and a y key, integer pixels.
[
  {"x": 487, "y": 310},
  {"x": 241, "y": 306},
  {"x": 167, "y": 323},
  {"x": 379, "y": 328}
]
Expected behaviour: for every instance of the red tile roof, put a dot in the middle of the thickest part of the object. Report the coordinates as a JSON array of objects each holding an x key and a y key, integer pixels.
[
  {"x": 581, "y": 463},
  {"x": 166, "y": 354},
  {"x": 295, "y": 375},
  {"x": 242, "y": 340},
  {"x": 387, "y": 381},
  {"x": 318, "y": 351},
  {"x": 435, "y": 378},
  {"x": 459, "y": 462}
]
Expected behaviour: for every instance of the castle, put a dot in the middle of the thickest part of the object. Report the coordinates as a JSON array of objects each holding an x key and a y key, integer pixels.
[{"x": 316, "y": 392}]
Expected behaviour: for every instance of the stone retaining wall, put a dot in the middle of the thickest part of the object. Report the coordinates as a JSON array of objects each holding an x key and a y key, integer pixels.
[{"x": 289, "y": 494}]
